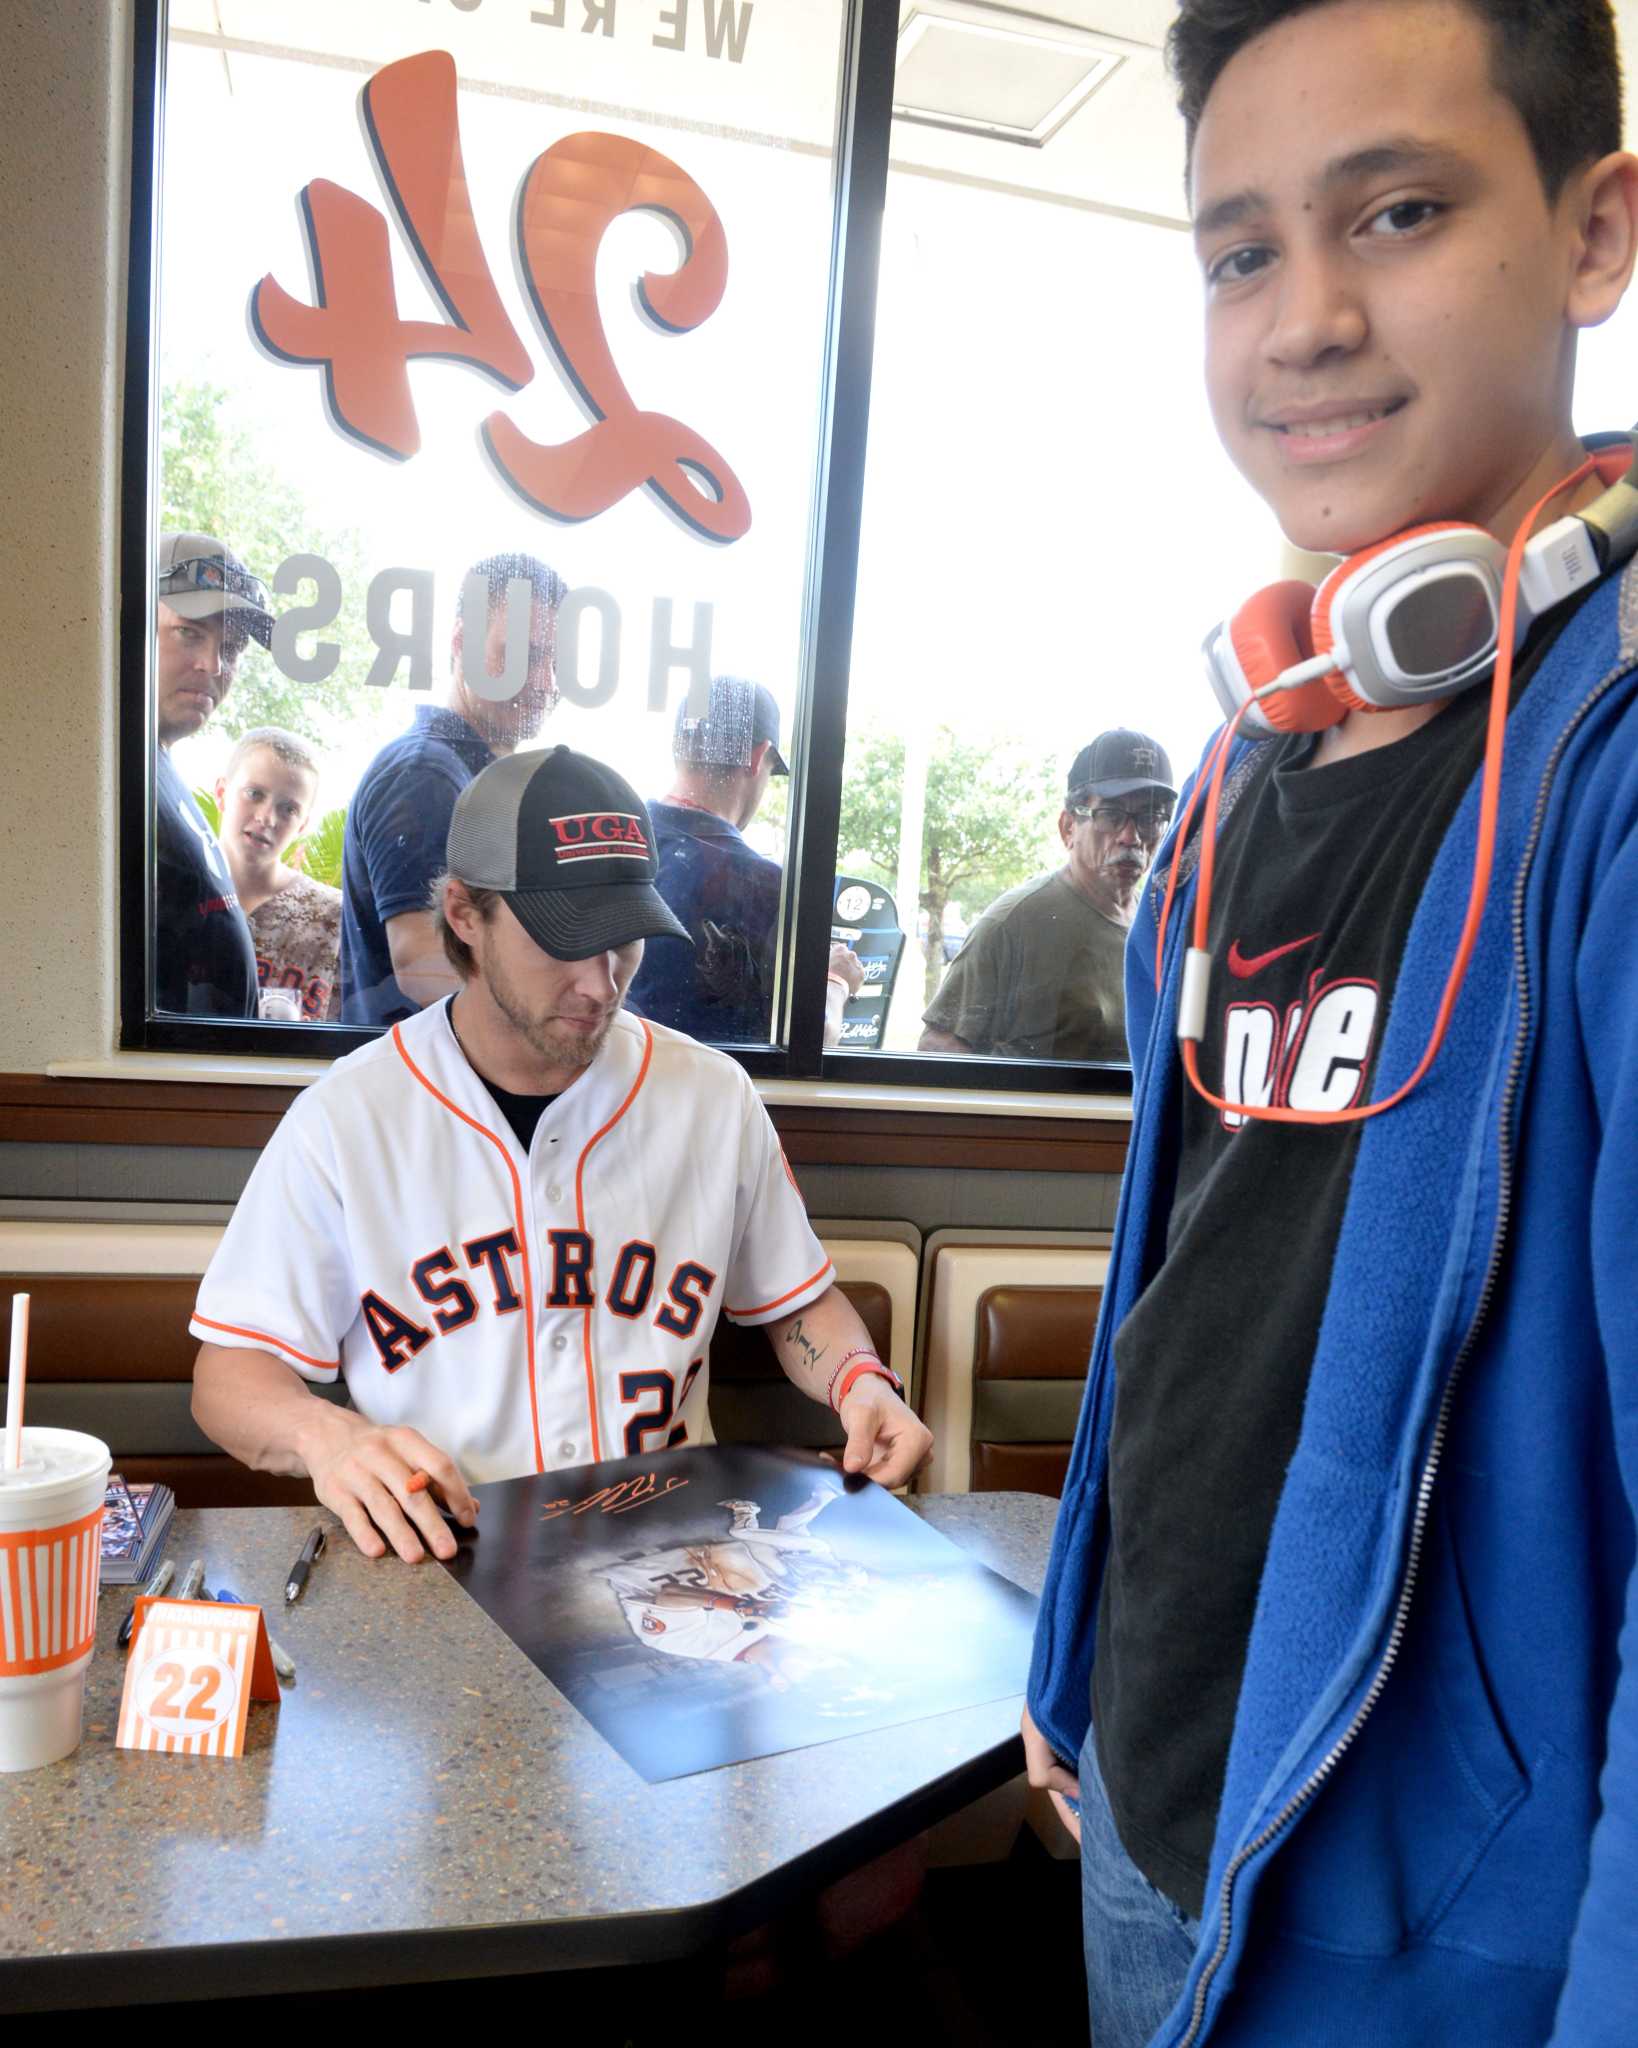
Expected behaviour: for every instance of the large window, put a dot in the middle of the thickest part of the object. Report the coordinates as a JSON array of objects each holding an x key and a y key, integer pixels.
[
  {"x": 1048, "y": 526},
  {"x": 539, "y": 292},
  {"x": 499, "y": 378}
]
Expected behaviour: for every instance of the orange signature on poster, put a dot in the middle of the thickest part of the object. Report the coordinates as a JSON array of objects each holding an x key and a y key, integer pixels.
[
  {"x": 618, "y": 1499},
  {"x": 572, "y": 193},
  {"x": 194, "y": 1668}
]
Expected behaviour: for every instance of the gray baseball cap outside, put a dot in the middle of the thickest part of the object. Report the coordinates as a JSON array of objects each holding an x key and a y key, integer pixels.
[
  {"x": 568, "y": 844},
  {"x": 1119, "y": 763},
  {"x": 740, "y": 715},
  {"x": 201, "y": 577}
]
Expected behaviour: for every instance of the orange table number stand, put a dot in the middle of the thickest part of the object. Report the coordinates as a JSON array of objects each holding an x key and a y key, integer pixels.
[{"x": 195, "y": 1666}]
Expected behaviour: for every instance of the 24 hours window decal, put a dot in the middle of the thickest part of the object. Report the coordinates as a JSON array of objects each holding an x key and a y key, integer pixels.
[{"x": 570, "y": 196}]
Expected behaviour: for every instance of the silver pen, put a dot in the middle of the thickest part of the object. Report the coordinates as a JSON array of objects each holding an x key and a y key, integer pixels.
[
  {"x": 192, "y": 1579},
  {"x": 155, "y": 1586}
]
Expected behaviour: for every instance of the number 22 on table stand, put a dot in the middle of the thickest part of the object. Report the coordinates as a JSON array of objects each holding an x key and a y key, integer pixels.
[{"x": 194, "y": 1668}]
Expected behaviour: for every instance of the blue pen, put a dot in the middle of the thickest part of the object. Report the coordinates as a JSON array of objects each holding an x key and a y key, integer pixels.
[{"x": 283, "y": 1663}]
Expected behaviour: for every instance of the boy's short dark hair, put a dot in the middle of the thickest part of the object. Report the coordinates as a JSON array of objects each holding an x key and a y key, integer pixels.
[{"x": 1556, "y": 60}]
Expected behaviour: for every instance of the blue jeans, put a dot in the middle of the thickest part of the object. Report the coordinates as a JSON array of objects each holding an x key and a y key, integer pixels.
[{"x": 1138, "y": 1943}]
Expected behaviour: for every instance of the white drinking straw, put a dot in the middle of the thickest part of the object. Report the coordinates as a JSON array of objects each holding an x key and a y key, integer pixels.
[{"x": 14, "y": 1383}]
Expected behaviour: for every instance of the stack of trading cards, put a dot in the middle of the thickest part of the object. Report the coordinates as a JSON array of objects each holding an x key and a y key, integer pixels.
[{"x": 134, "y": 1522}]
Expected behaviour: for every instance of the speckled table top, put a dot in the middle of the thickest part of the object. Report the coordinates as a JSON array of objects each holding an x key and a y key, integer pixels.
[{"x": 424, "y": 1803}]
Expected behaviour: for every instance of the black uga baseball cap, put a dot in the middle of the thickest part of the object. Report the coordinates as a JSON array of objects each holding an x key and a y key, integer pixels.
[{"x": 568, "y": 844}]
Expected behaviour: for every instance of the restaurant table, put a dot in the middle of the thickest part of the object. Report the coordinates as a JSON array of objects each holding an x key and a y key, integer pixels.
[{"x": 425, "y": 1805}]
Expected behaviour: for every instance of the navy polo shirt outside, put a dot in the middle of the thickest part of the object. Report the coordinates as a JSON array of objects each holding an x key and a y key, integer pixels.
[
  {"x": 397, "y": 829},
  {"x": 726, "y": 895}
]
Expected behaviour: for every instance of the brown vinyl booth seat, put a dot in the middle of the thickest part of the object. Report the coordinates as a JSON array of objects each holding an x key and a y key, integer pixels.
[
  {"x": 1007, "y": 1324},
  {"x": 1029, "y": 1372},
  {"x": 110, "y": 1353}
]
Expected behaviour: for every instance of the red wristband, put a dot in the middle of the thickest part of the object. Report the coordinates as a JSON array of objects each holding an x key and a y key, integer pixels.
[
  {"x": 841, "y": 1365},
  {"x": 868, "y": 1367}
]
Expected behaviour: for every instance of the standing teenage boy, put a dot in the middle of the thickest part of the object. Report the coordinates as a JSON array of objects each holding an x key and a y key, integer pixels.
[{"x": 1341, "y": 1587}]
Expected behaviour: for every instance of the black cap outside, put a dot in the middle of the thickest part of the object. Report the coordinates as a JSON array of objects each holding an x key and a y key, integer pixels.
[
  {"x": 1120, "y": 762},
  {"x": 568, "y": 844}
]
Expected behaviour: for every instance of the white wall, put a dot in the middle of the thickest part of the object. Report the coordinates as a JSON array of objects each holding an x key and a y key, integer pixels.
[{"x": 64, "y": 150}]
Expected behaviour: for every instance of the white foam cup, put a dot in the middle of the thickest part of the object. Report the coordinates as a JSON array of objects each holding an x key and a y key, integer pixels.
[{"x": 50, "y": 1569}]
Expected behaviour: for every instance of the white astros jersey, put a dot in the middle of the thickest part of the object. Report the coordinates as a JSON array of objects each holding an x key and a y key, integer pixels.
[{"x": 522, "y": 1311}]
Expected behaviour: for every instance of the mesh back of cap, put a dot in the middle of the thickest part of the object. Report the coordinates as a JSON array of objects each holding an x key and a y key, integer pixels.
[{"x": 483, "y": 833}]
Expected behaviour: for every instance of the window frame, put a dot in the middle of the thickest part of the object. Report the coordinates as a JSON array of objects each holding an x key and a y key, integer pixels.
[{"x": 859, "y": 194}]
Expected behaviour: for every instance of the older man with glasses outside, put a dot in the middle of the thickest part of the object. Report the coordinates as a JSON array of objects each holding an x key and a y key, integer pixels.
[{"x": 1041, "y": 974}]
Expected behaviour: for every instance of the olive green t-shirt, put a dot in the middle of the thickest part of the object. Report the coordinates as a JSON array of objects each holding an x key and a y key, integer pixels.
[{"x": 1040, "y": 977}]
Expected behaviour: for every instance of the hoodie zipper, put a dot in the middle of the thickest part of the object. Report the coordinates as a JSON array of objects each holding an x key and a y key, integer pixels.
[{"x": 1430, "y": 1469}]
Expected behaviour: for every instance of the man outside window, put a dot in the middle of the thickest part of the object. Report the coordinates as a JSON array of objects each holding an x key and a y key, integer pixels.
[
  {"x": 724, "y": 893},
  {"x": 1040, "y": 975},
  {"x": 208, "y": 605},
  {"x": 1338, "y": 1645},
  {"x": 391, "y": 961}
]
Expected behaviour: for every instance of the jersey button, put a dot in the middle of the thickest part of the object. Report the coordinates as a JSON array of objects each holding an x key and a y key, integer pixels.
[
  {"x": 554, "y": 1194},
  {"x": 560, "y": 1343},
  {"x": 565, "y": 1449}
]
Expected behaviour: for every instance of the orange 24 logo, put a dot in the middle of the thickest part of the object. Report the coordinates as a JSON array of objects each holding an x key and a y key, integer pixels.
[{"x": 572, "y": 193}]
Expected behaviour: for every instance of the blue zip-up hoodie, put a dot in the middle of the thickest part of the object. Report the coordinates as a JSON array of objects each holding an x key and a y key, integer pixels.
[{"x": 1428, "y": 1835}]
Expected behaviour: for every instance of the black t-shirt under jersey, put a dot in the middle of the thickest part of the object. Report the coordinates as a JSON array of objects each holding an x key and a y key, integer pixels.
[
  {"x": 522, "y": 1112},
  {"x": 1319, "y": 873}
]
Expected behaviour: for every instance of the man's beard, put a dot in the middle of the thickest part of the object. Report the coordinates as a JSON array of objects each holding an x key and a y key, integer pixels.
[{"x": 557, "y": 1045}]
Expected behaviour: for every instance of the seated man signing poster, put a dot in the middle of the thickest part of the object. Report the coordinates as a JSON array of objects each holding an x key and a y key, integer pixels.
[{"x": 511, "y": 1223}]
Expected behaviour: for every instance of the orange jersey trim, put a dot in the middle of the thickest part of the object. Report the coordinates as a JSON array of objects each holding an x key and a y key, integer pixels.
[
  {"x": 779, "y": 1301},
  {"x": 580, "y": 1220},
  {"x": 484, "y": 1131},
  {"x": 265, "y": 1337}
]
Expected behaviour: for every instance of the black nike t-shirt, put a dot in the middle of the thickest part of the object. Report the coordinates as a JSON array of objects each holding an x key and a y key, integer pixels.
[{"x": 1319, "y": 874}]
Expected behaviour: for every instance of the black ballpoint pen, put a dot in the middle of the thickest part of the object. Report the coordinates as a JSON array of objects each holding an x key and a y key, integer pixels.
[{"x": 311, "y": 1551}]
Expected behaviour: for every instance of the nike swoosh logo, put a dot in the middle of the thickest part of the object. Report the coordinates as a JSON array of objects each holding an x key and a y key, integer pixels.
[{"x": 1244, "y": 968}]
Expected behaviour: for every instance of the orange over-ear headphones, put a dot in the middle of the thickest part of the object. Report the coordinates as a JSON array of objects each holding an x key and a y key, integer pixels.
[
  {"x": 1413, "y": 618},
  {"x": 1420, "y": 616}
]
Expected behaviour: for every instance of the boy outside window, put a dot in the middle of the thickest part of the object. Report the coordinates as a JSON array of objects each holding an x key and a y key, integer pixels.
[{"x": 265, "y": 799}]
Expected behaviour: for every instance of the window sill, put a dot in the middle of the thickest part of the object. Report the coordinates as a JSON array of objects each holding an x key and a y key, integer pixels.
[
  {"x": 216, "y": 1069},
  {"x": 219, "y": 1070}
]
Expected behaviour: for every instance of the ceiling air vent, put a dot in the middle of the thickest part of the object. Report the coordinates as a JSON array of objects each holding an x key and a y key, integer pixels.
[{"x": 990, "y": 72}]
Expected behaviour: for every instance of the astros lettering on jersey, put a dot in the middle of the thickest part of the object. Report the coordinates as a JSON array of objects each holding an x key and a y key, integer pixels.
[{"x": 521, "y": 1311}]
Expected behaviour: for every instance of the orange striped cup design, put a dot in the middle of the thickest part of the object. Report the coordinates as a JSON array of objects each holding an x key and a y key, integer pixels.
[{"x": 48, "y": 1594}]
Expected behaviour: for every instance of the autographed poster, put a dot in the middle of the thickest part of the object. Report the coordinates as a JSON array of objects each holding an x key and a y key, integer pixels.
[{"x": 701, "y": 1607}]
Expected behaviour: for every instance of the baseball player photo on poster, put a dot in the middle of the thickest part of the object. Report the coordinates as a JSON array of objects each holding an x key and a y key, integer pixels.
[{"x": 702, "y": 1607}]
